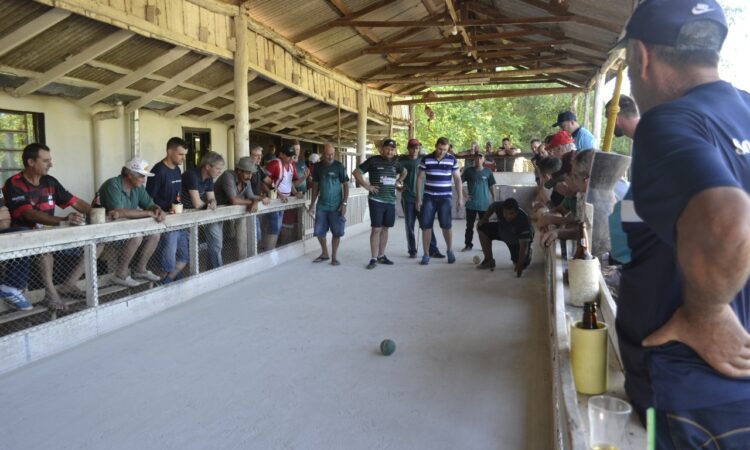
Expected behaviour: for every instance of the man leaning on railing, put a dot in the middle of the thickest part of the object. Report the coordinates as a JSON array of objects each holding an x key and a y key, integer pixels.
[
  {"x": 31, "y": 196},
  {"x": 125, "y": 197}
]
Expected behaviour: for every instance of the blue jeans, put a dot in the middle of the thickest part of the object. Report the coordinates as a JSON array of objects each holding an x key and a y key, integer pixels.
[
  {"x": 274, "y": 222},
  {"x": 329, "y": 220},
  {"x": 173, "y": 249},
  {"x": 410, "y": 217},
  {"x": 441, "y": 206},
  {"x": 723, "y": 426},
  {"x": 215, "y": 240},
  {"x": 16, "y": 270}
]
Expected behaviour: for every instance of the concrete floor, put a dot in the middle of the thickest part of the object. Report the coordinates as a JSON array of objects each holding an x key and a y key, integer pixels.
[{"x": 289, "y": 360}]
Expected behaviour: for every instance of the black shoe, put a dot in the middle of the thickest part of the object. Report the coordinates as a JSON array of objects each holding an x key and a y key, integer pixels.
[
  {"x": 373, "y": 263},
  {"x": 437, "y": 254},
  {"x": 412, "y": 255},
  {"x": 384, "y": 260},
  {"x": 467, "y": 248},
  {"x": 487, "y": 264}
]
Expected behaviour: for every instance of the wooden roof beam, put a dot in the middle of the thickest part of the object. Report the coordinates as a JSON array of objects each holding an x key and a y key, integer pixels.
[
  {"x": 346, "y": 57},
  {"x": 101, "y": 46},
  {"x": 136, "y": 75},
  {"x": 169, "y": 85},
  {"x": 505, "y": 74},
  {"x": 450, "y": 7},
  {"x": 366, "y": 34},
  {"x": 305, "y": 35},
  {"x": 292, "y": 124},
  {"x": 453, "y": 68},
  {"x": 442, "y": 23},
  {"x": 32, "y": 29},
  {"x": 562, "y": 10},
  {"x": 206, "y": 97},
  {"x": 275, "y": 116},
  {"x": 503, "y": 93},
  {"x": 410, "y": 44}
]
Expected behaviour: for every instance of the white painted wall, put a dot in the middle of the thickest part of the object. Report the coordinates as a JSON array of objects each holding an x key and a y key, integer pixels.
[{"x": 69, "y": 136}]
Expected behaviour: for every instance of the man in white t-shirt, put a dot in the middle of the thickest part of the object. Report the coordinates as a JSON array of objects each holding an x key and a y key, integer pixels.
[{"x": 283, "y": 174}]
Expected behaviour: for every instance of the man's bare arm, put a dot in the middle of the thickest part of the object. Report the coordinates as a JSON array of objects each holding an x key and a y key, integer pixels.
[{"x": 713, "y": 244}]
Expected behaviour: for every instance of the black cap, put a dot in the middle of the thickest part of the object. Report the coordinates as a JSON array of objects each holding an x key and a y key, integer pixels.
[
  {"x": 389, "y": 143},
  {"x": 289, "y": 150},
  {"x": 564, "y": 117}
]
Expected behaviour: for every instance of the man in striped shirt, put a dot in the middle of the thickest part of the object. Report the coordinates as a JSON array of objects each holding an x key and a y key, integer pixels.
[{"x": 439, "y": 171}]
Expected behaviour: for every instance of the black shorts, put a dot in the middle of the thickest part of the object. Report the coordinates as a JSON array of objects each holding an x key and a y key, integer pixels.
[{"x": 382, "y": 214}]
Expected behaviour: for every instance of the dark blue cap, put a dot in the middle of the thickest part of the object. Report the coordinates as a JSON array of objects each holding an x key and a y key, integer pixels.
[
  {"x": 563, "y": 117},
  {"x": 289, "y": 150},
  {"x": 389, "y": 143},
  {"x": 660, "y": 21}
]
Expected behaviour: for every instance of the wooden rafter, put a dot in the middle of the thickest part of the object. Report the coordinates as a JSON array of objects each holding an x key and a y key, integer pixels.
[
  {"x": 503, "y": 93},
  {"x": 28, "y": 31},
  {"x": 352, "y": 15},
  {"x": 280, "y": 113},
  {"x": 453, "y": 68},
  {"x": 138, "y": 74},
  {"x": 292, "y": 124},
  {"x": 169, "y": 85},
  {"x": 442, "y": 23},
  {"x": 205, "y": 97},
  {"x": 597, "y": 23},
  {"x": 365, "y": 33},
  {"x": 470, "y": 46},
  {"x": 96, "y": 49},
  {"x": 505, "y": 74},
  {"x": 346, "y": 57}
]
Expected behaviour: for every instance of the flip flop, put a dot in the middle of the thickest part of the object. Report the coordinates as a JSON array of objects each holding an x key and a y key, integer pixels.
[
  {"x": 335, "y": 262},
  {"x": 321, "y": 259}
]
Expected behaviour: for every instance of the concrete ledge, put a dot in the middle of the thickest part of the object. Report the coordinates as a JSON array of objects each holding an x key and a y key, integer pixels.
[{"x": 33, "y": 344}]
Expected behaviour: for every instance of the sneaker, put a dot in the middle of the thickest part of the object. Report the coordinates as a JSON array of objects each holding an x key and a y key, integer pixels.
[
  {"x": 437, "y": 254},
  {"x": 412, "y": 255},
  {"x": 468, "y": 248},
  {"x": 15, "y": 298},
  {"x": 166, "y": 280},
  {"x": 425, "y": 260},
  {"x": 487, "y": 264},
  {"x": 451, "y": 257},
  {"x": 147, "y": 275},
  {"x": 128, "y": 281},
  {"x": 373, "y": 263},
  {"x": 384, "y": 260}
]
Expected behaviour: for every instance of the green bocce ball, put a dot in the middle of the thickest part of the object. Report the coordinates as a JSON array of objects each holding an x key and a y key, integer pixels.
[{"x": 387, "y": 347}]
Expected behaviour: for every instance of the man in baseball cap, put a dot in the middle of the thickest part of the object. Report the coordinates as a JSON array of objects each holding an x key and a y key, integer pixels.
[
  {"x": 568, "y": 121},
  {"x": 408, "y": 189},
  {"x": 683, "y": 314}
]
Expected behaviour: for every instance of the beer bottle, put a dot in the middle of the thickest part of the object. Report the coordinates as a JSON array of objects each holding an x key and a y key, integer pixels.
[
  {"x": 582, "y": 250},
  {"x": 177, "y": 200},
  {"x": 589, "y": 316},
  {"x": 96, "y": 203}
]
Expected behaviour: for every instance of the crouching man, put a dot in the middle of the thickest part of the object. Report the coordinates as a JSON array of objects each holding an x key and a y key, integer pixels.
[{"x": 512, "y": 227}]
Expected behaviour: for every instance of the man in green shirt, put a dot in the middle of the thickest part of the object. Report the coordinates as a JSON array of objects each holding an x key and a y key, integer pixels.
[
  {"x": 385, "y": 173},
  {"x": 479, "y": 180},
  {"x": 330, "y": 185},
  {"x": 411, "y": 162},
  {"x": 125, "y": 197}
]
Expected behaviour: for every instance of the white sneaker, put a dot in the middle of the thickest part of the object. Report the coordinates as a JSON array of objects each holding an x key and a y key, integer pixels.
[
  {"x": 127, "y": 281},
  {"x": 147, "y": 275}
]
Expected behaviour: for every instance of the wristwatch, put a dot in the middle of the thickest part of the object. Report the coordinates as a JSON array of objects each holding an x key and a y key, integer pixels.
[{"x": 343, "y": 203}]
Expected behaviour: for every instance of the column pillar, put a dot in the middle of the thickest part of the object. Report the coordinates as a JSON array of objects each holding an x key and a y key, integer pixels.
[
  {"x": 241, "y": 108},
  {"x": 412, "y": 122},
  {"x": 587, "y": 110},
  {"x": 362, "y": 101},
  {"x": 598, "y": 110}
]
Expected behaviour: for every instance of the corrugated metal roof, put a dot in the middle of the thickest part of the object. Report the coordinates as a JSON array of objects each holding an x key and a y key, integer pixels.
[
  {"x": 135, "y": 52},
  {"x": 22, "y": 12}
]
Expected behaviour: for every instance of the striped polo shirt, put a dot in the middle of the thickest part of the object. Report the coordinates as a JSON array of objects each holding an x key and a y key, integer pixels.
[{"x": 438, "y": 174}]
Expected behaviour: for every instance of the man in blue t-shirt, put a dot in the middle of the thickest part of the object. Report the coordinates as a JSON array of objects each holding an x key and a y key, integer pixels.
[
  {"x": 684, "y": 308},
  {"x": 164, "y": 187},
  {"x": 438, "y": 177},
  {"x": 479, "y": 181},
  {"x": 198, "y": 193},
  {"x": 567, "y": 121}
]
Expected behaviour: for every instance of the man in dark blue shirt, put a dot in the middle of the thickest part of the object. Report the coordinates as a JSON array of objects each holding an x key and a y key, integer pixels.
[
  {"x": 198, "y": 193},
  {"x": 164, "y": 187},
  {"x": 684, "y": 307}
]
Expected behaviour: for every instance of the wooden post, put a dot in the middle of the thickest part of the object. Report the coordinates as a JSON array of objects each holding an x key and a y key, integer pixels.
[
  {"x": 362, "y": 101},
  {"x": 587, "y": 110},
  {"x": 241, "y": 66},
  {"x": 390, "y": 118},
  {"x": 598, "y": 109},
  {"x": 412, "y": 122}
]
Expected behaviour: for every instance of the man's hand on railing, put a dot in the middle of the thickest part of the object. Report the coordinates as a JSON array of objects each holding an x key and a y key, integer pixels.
[
  {"x": 75, "y": 218},
  {"x": 265, "y": 200},
  {"x": 254, "y": 207},
  {"x": 716, "y": 335},
  {"x": 211, "y": 204},
  {"x": 549, "y": 238},
  {"x": 299, "y": 195},
  {"x": 113, "y": 215},
  {"x": 158, "y": 214},
  {"x": 4, "y": 217},
  {"x": 282, "y": 198}
]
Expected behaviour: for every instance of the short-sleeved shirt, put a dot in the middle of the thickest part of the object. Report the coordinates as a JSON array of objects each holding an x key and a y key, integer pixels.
[
  {"x": 112, "y": 195},
  {"x": 257, "y": 180},
  {"x": 383, "y": 174},
  {"x": 438, "y": 174},
  {"x": 584, "y": 139},
  {"x": 300, "y": 167},
  {"x": 329, "y": 178},
  {"x": 410, "y": 182},
  {"x": 226, "y": 188},
  {"x": 520, "y": 227},
  {"x": 480, "y": 183},
  {"x": 571, "y": 204},
  {"x": 681, "y": 148},
  {"x": 21, "y": 196},
  {"x": 165, "y": 185},
  {"x": 192, "y": 181},
  {"x": 282, "y": 175}
]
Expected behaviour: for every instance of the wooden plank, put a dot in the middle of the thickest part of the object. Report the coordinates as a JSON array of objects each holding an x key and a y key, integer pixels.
[
  {"x": 292, "y": 124},
  {"x": 32, "y": 29},
  {"x": 216, "y": 7},
  {"x": 502, "y": 93},
  {"x": 118, "y": 4},
  {"x": 175, "y": 17},
  {"x": 352, "y": 15},
  {"x": 134, "y": 76},
  {"x": 275, "y": 116},
  {"x": 73, "y": 62},
  {"x": 221, "y": 26},
  {"x": 191, "y": 19},
  {"x": 252, "y": 47},
  {"x": 168, "y": 85},
  {"x": 204, "y": 98},
  {"x": 208, "y": 23},
  {"x": 441, "y": 23}
]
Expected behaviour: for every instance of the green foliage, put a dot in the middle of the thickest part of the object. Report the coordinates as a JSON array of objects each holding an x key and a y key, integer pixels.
[{"x": 520, "y": 119}]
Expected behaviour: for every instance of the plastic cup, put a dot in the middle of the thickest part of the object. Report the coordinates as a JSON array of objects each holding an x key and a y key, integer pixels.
[
  {"x": 177, "y": 208},
  {"x": 608, "y": 418}
]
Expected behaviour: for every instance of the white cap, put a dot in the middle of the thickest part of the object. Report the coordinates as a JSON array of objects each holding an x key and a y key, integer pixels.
[
  {"x": 314, "y": 158},
  {"x": 139, "y": 165}
]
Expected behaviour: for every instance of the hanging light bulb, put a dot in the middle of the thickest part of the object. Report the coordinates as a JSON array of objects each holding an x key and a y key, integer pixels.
[{"x": 454, "y": 30}]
